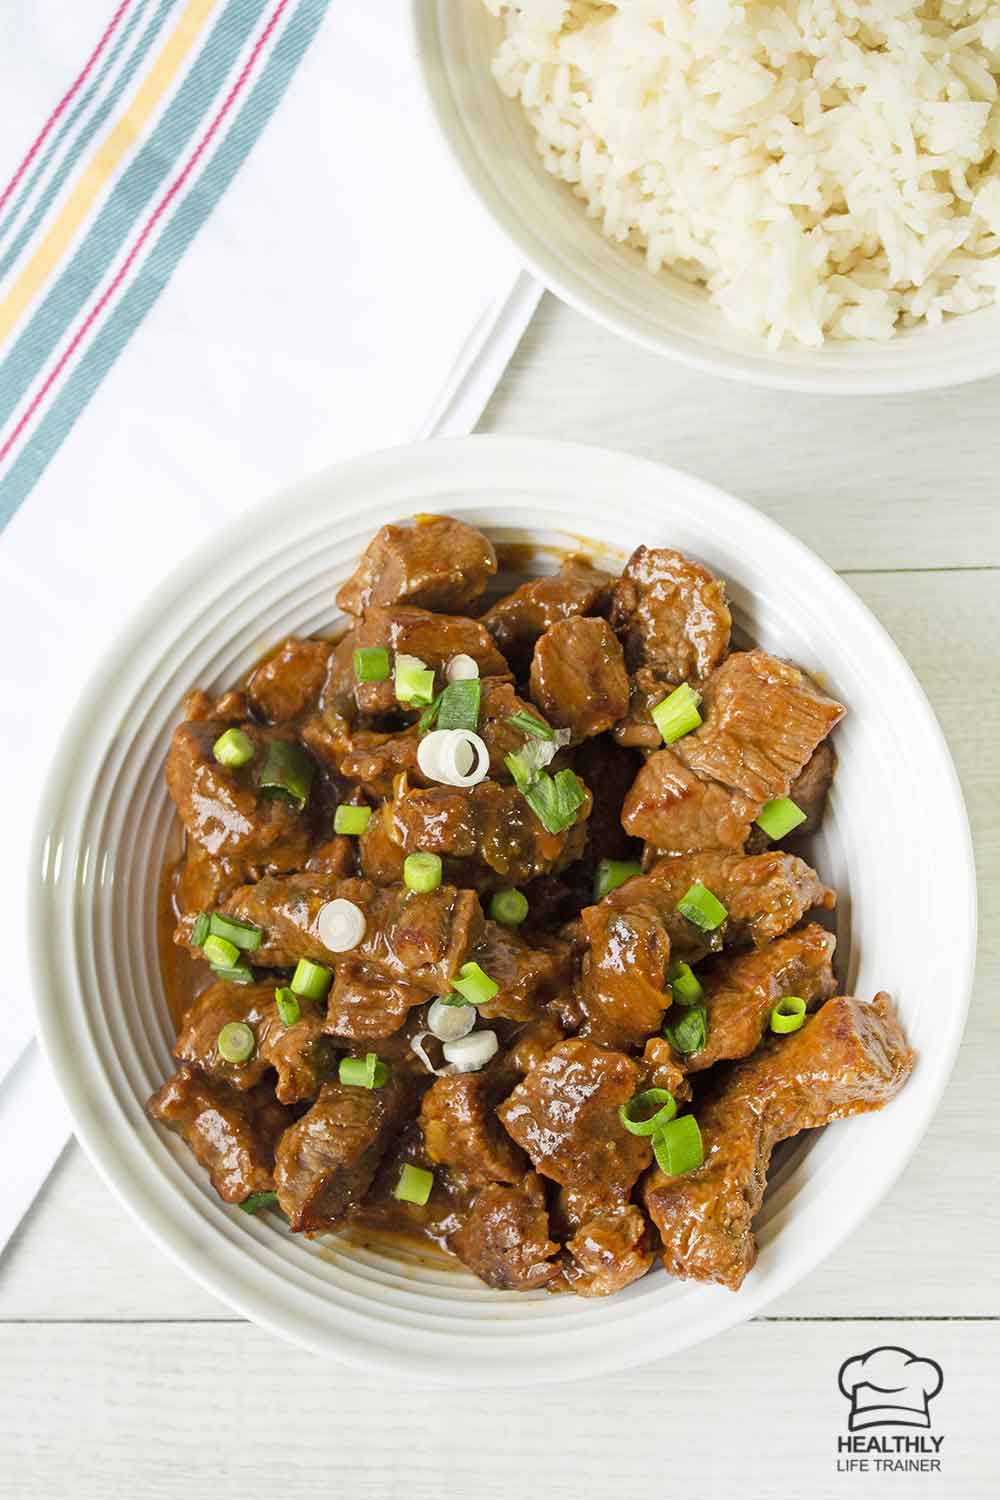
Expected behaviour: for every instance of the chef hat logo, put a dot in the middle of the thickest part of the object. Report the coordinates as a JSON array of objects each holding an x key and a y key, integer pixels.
[{"x": 889, "y": 1386}]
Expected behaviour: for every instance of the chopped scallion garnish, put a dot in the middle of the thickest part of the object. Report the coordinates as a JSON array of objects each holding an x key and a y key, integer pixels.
[
  {"x": 475, "y": 984},
  {"x": 788, "y": 1015},
  {"x": 778, "y": 817},
  {"x": 646, "y": 1114},
  {"x": 555, "y": 800},
  {"x": 350, "y": 819},
  {"x": 529, "y": 724},
  {"x": 459, "y": 706},
  {"x": 701, "y": 908},
  {"x": 368, "y": 1072},
  {"x": 244, "y": 934},
  {"x": 371, "y": 664},
  {"x": 220, "y": 951},
  {"x": 288, "y": 1006},
  {"x": 678, "y": 1146},
  {"x": 688, "y": 1034},
  {"x": 428, "y": 718},
  {"x": 414, "y": 1185},
  {"x": 240, "y": 973},
  {"x": 684, "y": 984},
  {"x": 422, "y": 872},
  {"x": 677, "y": 714},
  {"x": 288, "y": 772},
  {"x": 233, "y": 748},
  {"x": 199, "y": 932},
  {"x": 236, "y": 1042},
  {"x": 311, "y": 980},
  {"x": 414, "y": 681},
  {"x": 257, "y": 1201},
  {"x": 611, "y": 873},
  {"x": 509, "y": 907}
]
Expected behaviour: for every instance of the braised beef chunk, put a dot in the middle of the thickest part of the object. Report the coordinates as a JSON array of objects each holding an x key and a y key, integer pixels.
[
  {"x": 762, "y": 720},
  {"x": 438, "y": 563},
  {"x": 325, "y": 1162},
  {"x": 516, "y": 1130},
  {"x": 489, "y": 823},
  {"x": 223, "y": 809},
  {"x": 624, "y": 981},
  {"x": 849, "y": 1058},
  {"x": 288, "y": 683},
  {"x": 578, "y": 677},
  {"x": 529, "y": 972},
  {"x": 764, "y": 895},
  {"x": 517, "y": 621},
  {"x": 681, "y": 813},
  {"x": 565, "y": 1115},
  {"x": 740, "y": 992},
  {"x": 505, "y": 1238},
  {"x": 610, "y": 1249},
  {"x": 232, "y": 1133},
  {"x": 425, "y": 938},
  {"x": 458, "y": 1116},
  {"x": 671, "y": 615}
]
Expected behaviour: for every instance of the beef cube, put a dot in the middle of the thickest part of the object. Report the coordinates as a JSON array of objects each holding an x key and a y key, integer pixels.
[
  {"x": 671, "y": 615},
  {"x": 762, "y": 720},
  {"x": 531, "y": 1043},
  {"x": 373, "y": 760},
  {"x": 489, "y": 823},
  {"x": 611, "y": 1248},
  {"x": 660, "y": 1069},
  {"x": 447, "y": 1207},
  {"x": 382, "y": 859},
  {"x": 337, "y": 858},
  {"x": 222, "y": 808},
  {"x": 458, "y": 1116},
  {"x": 438, "y": 563},
  {"x": 410, "y": 632},
  {"x": 288, "y": 682},
  {"x": 505, "y": 1237},
  {"x": 529, "y": 976},
  {"x": 517, "y": 621},
  {"x": 565, "y": 1115},
  {"x": 578, "y": 677},
  {"x": 623, "y": 989},
  {"x": 232, "y": 1133},
  {"x": 740, "y": 992},
  {"x": 850, "y": 1057},
  {"x": 681, "y": 813},
  {"x": 366, "y": 1001},
  {"x": 325, "y": 1162},
  {"x": 809, "y": 792},
  {"x": 637, "y": 730},
  {"x": 220, "y": 1004}
]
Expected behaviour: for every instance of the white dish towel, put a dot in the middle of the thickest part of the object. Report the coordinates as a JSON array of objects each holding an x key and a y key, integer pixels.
[{"x": 342, "y": 293}]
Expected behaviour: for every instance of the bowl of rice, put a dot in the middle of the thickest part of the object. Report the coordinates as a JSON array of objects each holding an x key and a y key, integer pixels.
[{"x": 797, "y": 193}]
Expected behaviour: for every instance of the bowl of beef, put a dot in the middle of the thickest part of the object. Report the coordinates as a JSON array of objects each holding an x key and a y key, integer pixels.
[{"x": 479, "y": 913}]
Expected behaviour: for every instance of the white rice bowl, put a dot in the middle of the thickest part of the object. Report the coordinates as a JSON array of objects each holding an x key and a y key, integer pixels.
[{"x": 826, "y": 168}]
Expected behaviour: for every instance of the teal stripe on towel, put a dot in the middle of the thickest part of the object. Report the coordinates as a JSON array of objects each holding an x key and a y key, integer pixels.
[{"x": 192, "y": 213}]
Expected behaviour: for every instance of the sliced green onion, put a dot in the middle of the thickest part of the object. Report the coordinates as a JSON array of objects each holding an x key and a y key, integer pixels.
[
  {"x": 519, "y": 770},
  {"x": 528, "y": 724},
  {"x": 555, "y": 800},
  {"x": 459, "y": 707},
  {"x": 646, "y": 1114},
  {"x": 257, "y": 1201},
  {"x": 234, "y": 747},
  {"x": 428, "y": 718},
  {"x": 236, "y": 1042},
  {"x": 678, "y": 1146},
  {"x": 422, "y": 872},
  {"x": 199, "y": 932},
  {"x": 611, "y": 873},
  {"x": 677, "y": 714},
  {"x": 475, "y": 984},
  {"x": 788, "y": 1015},
  {"x": 240, "y": 973},
  {"x": 689, "y": 1033},
  {"x": 414, "y": 681},
  {"x": 779, "y": 817},
  {"x": 509, "y": 907},
  {"x": 244, "y": 934},
  {"x": 351, "y": 819},
  {"x": 371, "y": 664},
  {"x": 368, "y": 1072},
  {"x": 288, "y": 772},
  {"x": 684, "y": 984},
  {"x": 414, "y": 1185},
  {"x": 701, "y": 908},
  {"x": 311, "y": 980},
  {"x": 288, "y": 1006},
  {"x": 219, "y": 950}
]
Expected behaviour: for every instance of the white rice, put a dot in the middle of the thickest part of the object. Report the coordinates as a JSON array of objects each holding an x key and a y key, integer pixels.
[{"x": 827, "y": 168}]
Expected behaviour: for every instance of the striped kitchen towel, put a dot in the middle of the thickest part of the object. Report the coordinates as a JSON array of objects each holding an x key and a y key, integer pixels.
[{"x": 231, "y": 252}]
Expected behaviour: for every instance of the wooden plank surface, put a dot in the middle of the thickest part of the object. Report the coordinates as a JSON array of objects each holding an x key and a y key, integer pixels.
[{"x": 117, "y": 1372}]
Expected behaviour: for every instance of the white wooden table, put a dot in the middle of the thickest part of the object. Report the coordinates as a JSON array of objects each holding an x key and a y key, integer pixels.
[{"x": 118, "y": 1376}]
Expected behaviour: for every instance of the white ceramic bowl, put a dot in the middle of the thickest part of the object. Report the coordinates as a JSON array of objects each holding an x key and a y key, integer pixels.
[
  {"x": 895, "y": 843},
  {"x": 491, "y": 141}
]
